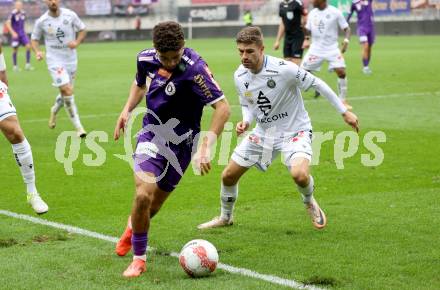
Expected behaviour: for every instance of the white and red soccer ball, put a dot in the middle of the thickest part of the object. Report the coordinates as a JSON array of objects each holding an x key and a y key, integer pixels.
[{"x": 198, "y": 258}]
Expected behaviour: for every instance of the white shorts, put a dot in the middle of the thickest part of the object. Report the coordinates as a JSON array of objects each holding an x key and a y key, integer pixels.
[
  {"x": 312, "y": 61},
  {"x": 257, "y": 151},
  {"x": 62, "y": 74},
  {"x": 7, "y": 109}
]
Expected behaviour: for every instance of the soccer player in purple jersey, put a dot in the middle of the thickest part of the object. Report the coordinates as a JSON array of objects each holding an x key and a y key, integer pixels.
[
  {"x": 177, "y": 84},
  {"x": 15, "y": 25},
  {"x": 365, "y": 29}
]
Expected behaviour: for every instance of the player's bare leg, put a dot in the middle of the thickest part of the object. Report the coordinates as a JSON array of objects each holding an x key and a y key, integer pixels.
[
  {"x": 146, "y": 193},
  {"x": 124, "y": 244},
  {"x": 71, "y": 109},
  {"x": 300, "y": 173},
  {"x": 228, "y": 196},
  {"x": 366, "y": 55},
  {"x": 295, "y": 60},
  {"x": 23, "y": 155},
  {"x": 343, "y": 87}
]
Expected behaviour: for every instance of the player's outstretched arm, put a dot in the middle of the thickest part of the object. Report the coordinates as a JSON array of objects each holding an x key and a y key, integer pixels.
[
  {"x": 349, "y": 117},
  {"x": 134, "y": 98},
  {"x": 36, "y": 48},
  {"x": 219, "y": 118}
]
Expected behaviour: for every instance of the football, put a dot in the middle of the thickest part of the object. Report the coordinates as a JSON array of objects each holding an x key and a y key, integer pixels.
[{"x": 198, "y": 258}]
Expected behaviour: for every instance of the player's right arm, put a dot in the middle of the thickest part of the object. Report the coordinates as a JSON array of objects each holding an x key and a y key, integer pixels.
[
  {"x": 35, "y": 40},
  {"x": 3, "y": 77},
  {"x": 280, "y": 34},
  {"x": 350, "y": 13},
  {"x": 247, "y": 115},
  {"x": 10, "y": 29}
]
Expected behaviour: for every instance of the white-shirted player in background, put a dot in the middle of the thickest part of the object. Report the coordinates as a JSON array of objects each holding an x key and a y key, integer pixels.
[
  {"x": 10, "y": 127},
  {"x": 63, "y": 31},
  {"x": 269, "y": 89},
  {"x": 323, "y": 24}
]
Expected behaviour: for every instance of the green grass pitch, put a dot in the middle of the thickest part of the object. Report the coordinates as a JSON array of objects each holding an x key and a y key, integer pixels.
[{"x": 384, "y": 221}]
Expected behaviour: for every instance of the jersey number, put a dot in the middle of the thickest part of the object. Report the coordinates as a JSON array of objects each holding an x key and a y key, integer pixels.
[{"x": 263, "y": 103}]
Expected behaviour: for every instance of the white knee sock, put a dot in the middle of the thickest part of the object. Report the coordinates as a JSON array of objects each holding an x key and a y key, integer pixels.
[
  {"x": 307, "y": 192},
  {"x": 342, "y": 88},
  {"x": 228, "y": 196},
  {"x": 23, "y": 156},
  {"x": 72, "y": 111},
  {"x": 59, "y": 103}
]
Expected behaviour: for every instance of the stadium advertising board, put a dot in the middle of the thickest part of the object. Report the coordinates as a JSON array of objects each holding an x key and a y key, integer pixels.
[
  {"x": 98, "y": 7},
  {"x": 209, "y": 13},
  {"x": 390, "y": 7}
]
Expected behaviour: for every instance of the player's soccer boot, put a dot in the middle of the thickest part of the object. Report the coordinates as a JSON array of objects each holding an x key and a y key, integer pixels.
[
  {"x": 37, "y": 203},
  {"x": 52, "y": 120},
  {"x": 16, "y": 68},
  {"x": 136, "y": 268},
  {"x": 28, "y": 67},
  {"x": 216, "y": 223},
  {"x": 347, "y": 105},
  {"x": 316, "y": 214},
  {"x": 80, "y": 132},
  {"x": 366, "y": 70},
  {"x": 124, "y": 244}
]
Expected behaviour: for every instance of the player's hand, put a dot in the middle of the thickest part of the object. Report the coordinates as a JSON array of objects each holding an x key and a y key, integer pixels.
[
  {"x": 201, "y": 159},
  {"x": 73, "y": 44},
  {"x": 39, "y": 55},
  {"x": 120, "y": 124},
  {"x": 276, "y": 45},
  {"x": 352, "y": 120},
  {"x": 241, "y": 127},
  {"x": 14, "y": 34},
  {"x": 306, "y": 44},
  {"x": 344, "y": 47}
]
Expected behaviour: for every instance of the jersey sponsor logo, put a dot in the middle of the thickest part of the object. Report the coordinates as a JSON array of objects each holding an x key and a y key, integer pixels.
[
  {"x": 263, "y": 103},
  {"x": 60, "y": 34},
  {"x": 248, "y": 96},
  {"x": 271, "y": 83},
  {"x": 273, "y": 118},
  {"x": 272, "y": 71},
  {"x": 282, "y": 63},
  {"x": 200, "y": 81},
  {"x": 211, "y": 75},
  {"x": 170, "y": 89}
]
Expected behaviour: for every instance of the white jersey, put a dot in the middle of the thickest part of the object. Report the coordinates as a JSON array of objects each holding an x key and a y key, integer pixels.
[
  {"x": 273, "y": 96},
  {"x": 58, "y": 32},
  {"x": 324, "y": 25}
]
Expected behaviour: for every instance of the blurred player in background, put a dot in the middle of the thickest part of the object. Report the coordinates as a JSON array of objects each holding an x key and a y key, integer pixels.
[
  {"x": 323, "y": 23},
  {"x": 293, "y": 16},
  {"x": 247, "y": 18},
  {"x": 10, "y": 127},
  {"x": 269, "y": 90},
  {"x": 178, "y": 85},
  {"x": 16, "y": 26},
  {"x": 63, "y": 32},
  {"x": 365, "y": 29}
]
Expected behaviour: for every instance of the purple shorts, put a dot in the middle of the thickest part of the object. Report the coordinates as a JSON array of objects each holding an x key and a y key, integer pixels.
[
  {"x": 366, "y": 35},
  {"x": 165, "y": 160},
  {"x": 22, "y": 39}
]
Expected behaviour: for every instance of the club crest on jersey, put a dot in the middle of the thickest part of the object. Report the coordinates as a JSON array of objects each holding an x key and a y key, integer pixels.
[
  {"x": 271, "y": 83},
  {"x": 248, "y": 96},
  {"x": 170, "y": 89},
  {"x": 65, "y": 22}
]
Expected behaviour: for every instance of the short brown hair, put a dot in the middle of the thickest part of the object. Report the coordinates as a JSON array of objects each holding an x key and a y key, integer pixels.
[
  {"x": 168, "y": 36},
  {"x": 249, "y": 35}
]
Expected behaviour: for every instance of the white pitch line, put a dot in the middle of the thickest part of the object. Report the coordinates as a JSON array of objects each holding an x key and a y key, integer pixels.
[
  {"x": 225, "y": 267},
  {"x": 360, "y": 98}
]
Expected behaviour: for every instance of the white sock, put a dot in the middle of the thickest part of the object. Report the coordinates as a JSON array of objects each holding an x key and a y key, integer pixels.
[
  {"x": 23, "y": 156},
  {"x": 143, "y": 257},
  {"x": 59, "y": 103},
  {"x": 72, "y": 111},
  {"x": 307, "y": 192},
  {"x": 228, "y": 196},
  {"x": 342, "y": 88}
]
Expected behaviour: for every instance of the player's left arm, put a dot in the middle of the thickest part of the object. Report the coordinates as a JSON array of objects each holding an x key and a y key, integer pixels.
[
  {"x": 80, "y": 27},
  {"x": 343, "y": 24}
]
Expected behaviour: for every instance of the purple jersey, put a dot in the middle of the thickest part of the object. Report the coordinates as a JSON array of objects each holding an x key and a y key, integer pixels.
[
  {"x": 179, "y": 94},
  {"x": 17, "y": 19},
  {"x": 364, "y": 11}
]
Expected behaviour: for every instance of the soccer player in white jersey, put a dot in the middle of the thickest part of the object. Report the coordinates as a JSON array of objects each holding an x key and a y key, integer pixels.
[
  {"x": 63, "y": 31},
  {"x": 269, "y": 89},
  {"x": 21, "y": 149},
  {"x": 323, "y": 23}
]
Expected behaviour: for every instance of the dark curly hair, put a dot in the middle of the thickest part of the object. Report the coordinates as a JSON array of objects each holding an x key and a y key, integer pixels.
[
  {"x": 168, "y": 36},
  {"x": 249, "y": 35}
]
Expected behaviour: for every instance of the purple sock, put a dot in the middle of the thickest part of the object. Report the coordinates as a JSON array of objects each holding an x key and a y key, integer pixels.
[
  {"x": 28, "y": 56},
  {"x": 139, "y": 242},
  {"x": 14, "y": 58},
  {"x": 365, "y": 61}
]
